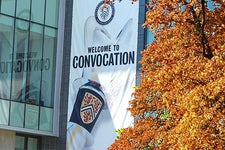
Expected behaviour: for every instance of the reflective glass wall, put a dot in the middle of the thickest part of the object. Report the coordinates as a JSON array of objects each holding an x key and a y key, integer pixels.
[
  {"x": 28, "y": 49},
  {"x": 27, "y": 142}
]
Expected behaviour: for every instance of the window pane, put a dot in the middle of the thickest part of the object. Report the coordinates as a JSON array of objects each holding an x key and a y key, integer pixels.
[
  {"x": 149, "y": 36},
  {"x": 20, "y": 143},
  {"x": 32, "y": 144},
  {"x": 4, "y": 115},
  {"x": 48, "y": 73},
  {"x": 31, "y": 116},
  {"x": 23, "y": 9},
  {"x": 22, "y": 26},
  {"x": 6, "y": 45},
  {"x": 46, "y": 119},
  {"x": 37, "y": 10},
  {"x": 8, "y": 7},
  {"x": 36, "y": 36},
  {"x": 19, "y": 84},
  {"x": 35, "y": 63},
  {"x": 52, "y": 13},
  {"x": 17, "y": 114}
]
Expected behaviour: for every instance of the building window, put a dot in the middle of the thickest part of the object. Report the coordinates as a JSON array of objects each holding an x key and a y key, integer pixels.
[
  {"x": 149, "y": 37},
  {"x": 28, "y": 51},
  {"x": 25, "y": 142}
]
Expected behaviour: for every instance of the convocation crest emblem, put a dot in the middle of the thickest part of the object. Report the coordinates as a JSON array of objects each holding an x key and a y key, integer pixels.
[{"x": 90, "y": 107}]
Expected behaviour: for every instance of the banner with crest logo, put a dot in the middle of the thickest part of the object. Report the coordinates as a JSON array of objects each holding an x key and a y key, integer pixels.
[{"x": 102, "y": 73}]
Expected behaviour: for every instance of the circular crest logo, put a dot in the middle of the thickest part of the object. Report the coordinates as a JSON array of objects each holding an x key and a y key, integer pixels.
[{"x": 104, "y": 13}]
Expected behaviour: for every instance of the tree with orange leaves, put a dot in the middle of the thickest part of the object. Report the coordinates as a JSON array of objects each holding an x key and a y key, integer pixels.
[{"x": 180, "y": 102}]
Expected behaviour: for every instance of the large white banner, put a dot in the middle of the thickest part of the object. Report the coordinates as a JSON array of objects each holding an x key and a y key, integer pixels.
[{"x": 102, "y": 73}]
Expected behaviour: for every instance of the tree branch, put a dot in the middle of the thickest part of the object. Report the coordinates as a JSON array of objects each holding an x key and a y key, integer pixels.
[{"x": 200, "y": 27}]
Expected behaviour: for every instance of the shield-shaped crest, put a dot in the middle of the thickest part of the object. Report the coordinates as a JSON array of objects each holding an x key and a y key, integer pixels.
[{"x": 90, "y": 107}]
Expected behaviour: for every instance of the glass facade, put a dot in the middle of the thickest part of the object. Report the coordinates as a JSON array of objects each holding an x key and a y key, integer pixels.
[
  {"x": 26, "y": 142},
  {"x": 28, "y": 51}
]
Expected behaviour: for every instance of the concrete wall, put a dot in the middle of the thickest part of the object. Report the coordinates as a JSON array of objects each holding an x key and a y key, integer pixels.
[{"x": 7, "y": 140}]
